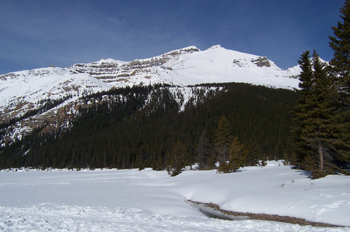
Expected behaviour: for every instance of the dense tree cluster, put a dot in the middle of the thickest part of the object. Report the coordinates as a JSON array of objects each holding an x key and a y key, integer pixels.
[
  {"x": 125, "y": 132},
  {"x": 321, "y": 135}
]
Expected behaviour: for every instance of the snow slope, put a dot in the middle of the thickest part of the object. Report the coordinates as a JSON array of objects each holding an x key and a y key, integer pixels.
[
  {"x": 131, "y": 200},
  {"x": 187, "y": 66},
  {"x": 35, "y": 85},
  {"x": 217, "y": 65}
]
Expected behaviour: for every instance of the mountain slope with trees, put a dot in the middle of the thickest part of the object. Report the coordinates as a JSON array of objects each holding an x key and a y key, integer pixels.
[{"x": 127, "y": 134}]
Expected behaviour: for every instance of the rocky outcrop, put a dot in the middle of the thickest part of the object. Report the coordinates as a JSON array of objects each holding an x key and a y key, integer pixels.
[
  {"x": 262, "y": 61},
  {"x": 113, "y": 69}
]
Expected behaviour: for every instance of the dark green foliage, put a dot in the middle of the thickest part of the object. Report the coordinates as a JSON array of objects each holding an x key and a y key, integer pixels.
[
  {"x": 203, "y": 152},
  {"x": 340, "y": 68},
  {"x": 158, "y": 164},
  {"x": 263, "y": 161},
  {"x": 321, "y": 135},
  {"x": 125, "y": 132},
  {"x": 341, "y": 47},
  {"x": 211, "y": 164},
  {"x": 252, "y": 152},
  {"x": 318, "y": 131},
  {"x": 300, "y": 147},
  {"x": 321, "y": 130},
  {"x": 235, "y": 160},
  {"x": 223, "y": 140},
  {"x": 177, "y": 159}
]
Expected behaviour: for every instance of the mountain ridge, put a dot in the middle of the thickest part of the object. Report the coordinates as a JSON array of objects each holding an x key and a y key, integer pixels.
[{"x": 52, "y": 95}]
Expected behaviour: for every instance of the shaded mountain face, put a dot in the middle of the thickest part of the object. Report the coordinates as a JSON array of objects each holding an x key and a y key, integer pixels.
[
  {"x": 49, "y": 98},
  {"x": 140, "y": 126}
]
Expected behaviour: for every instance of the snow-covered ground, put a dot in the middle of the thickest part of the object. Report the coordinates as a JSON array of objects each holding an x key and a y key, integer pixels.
[{"x": 132, "y": 200}]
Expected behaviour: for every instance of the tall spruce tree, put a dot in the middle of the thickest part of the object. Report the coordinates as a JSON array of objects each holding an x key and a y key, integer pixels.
[
  {"x": 223, "y": 140},
  {"x": 340, "y": 43},
  {"x": 321, "y": 130},
  {"x": 203, "y": 151},
  {"x": 236, "y": 159},
  {"x": 177, "y": 159},
  {"x": 340, "y": 66},
  {"x": 317, "y": 132},
  {"x": 300, "y": 147},
  {"x": 251, "y": 152}
]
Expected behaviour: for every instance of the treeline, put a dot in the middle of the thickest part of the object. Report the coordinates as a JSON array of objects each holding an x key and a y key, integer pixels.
[
  {"x": 226, "y": 150},
  {"x": 125, "y": 132}
]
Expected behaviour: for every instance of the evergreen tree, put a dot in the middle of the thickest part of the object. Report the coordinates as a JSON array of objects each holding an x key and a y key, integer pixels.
[
  {"x": 263, "y": 161},
  {"x": 177, "y": 159},
  {"x": 223, "y": 140},
  {"x": 236, "y": 159},
  {"x": 203, "y": 151},
  {"x": 321, "y": 125},
  {"x": 211, "y": 163},
  {"x": 317, "y": 131},
  {"x": 159, "y": 164},
  {"x": 252, "y": 151},
  {"x": 341, "y": 47},
  {"x": 300, "y": 147},
  {"x": 139, "y": 163},
  {"x": 340, "y": 66}
]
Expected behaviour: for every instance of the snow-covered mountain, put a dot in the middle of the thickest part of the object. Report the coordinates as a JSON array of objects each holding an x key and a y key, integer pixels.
[
  {"x": 35, "y": 90},
  {"x": 187, "y": 66},
  {"x": 190, "y": 66}
]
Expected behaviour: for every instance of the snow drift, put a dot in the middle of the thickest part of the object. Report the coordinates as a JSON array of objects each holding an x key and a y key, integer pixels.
[{"x": 132, "y": 200}]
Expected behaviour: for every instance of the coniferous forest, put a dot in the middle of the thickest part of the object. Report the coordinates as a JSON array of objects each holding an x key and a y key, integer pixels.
[{"x": 127, "y": 133}]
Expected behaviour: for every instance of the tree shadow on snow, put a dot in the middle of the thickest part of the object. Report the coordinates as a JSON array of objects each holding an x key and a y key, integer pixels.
[{"x": 304, "y": 173}]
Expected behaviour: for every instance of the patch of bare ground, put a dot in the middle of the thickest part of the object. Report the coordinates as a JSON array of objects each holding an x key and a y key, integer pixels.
[{"x": 264, "y": 217}]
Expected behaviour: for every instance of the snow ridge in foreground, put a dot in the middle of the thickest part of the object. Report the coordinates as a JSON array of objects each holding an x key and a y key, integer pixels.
[
  {"x": 147, "y": 200},
  {"x": 48, "y": 217}
]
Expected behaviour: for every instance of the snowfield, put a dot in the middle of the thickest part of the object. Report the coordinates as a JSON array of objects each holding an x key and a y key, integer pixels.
[
  {"x": 213, "y": 65},
  {"x": 147, "y": 200}
]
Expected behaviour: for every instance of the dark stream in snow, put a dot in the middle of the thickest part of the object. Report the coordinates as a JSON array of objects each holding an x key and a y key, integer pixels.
[{"x": 213, "y": 213}]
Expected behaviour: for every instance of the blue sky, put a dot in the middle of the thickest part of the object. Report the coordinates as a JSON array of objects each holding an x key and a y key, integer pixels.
[{"x": 37, "y": 33}]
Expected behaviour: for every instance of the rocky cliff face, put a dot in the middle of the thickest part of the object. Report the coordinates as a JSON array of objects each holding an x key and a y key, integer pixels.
[{"x": 113, "y": 71}]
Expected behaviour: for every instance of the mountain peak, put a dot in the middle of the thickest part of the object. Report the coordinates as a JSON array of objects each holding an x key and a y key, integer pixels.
[
  {"x": 185, "y": 50},
  {"x": 215, "y": 47}
]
